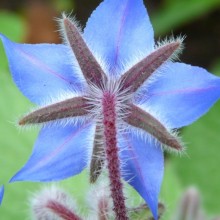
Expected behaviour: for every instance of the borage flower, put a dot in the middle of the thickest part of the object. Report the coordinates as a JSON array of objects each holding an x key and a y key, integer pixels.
[{"x": 120, "y": 97}]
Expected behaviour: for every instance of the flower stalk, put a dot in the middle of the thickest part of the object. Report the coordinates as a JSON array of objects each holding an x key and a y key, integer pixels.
[{"x": 112, "y": 155}]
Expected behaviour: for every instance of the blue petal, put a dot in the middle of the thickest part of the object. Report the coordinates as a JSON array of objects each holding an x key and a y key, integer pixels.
[
  {"x": 59, "y": 153},
  {"x": 143, "y": 167},
  {"x": 182, "y": 93},
  {"x": 40, "y": 71},
  {"x": 119, "y": 31},
  {"x": 1, "y": 193}
]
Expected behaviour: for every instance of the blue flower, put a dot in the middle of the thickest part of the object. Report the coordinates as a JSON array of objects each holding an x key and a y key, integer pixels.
[
  {"x": 1, "y": 193},
  {"x": 114, "y": 87}
]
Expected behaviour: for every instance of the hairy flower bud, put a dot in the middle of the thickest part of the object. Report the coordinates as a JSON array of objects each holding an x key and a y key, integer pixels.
[
  {"x": 100, "y": 201},
  {"x": 53, "y": 203}
]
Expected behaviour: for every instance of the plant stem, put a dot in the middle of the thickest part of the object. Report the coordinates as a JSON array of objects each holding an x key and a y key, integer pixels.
[{"x": 112, "y": 155}]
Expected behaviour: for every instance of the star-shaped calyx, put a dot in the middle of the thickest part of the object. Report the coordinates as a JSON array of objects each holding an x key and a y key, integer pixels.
[{"x": 110, "y": 102}]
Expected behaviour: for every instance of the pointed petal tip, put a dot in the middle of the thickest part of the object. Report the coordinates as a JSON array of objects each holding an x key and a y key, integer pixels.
[
  {"x": 1, "y": 193},
  {"x": 159, "y": 211},
  {"x": 19, "y": 177},
  {"x": 3, "y": 37},
  {"x": 5, "y": 41},
  {"x": 14, "y": 179}
]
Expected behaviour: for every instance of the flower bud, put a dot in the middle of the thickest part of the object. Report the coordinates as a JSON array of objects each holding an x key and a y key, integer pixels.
[{"x": 53, "y": 203}]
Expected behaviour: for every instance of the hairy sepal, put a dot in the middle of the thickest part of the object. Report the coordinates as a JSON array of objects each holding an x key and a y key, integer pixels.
[
  {"x": 72, "y": 107},
  {"x": 140, "y": 72},
  {"x": 89, "y": 66},
  {"x": 146, "y": 122}
]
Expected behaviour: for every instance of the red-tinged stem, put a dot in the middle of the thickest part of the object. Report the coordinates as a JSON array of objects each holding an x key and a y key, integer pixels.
[
  {"x": 62, "y": 211},
  {"x": 112, "y": 155}
]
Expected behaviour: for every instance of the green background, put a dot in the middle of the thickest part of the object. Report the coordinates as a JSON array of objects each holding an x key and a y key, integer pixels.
[{"x": 198, "y": 167}]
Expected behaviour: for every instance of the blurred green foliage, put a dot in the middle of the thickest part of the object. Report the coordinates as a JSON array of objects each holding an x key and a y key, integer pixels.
[
  {"x": 175, "y": 13},
  {"x": 11, "y": 25},
  {"x": 199, "y": 167},
  {"x": 63, "y": 5}
]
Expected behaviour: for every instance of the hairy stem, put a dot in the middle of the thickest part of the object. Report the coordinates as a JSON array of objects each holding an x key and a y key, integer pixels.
[{"x": 112, "y": 155}]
